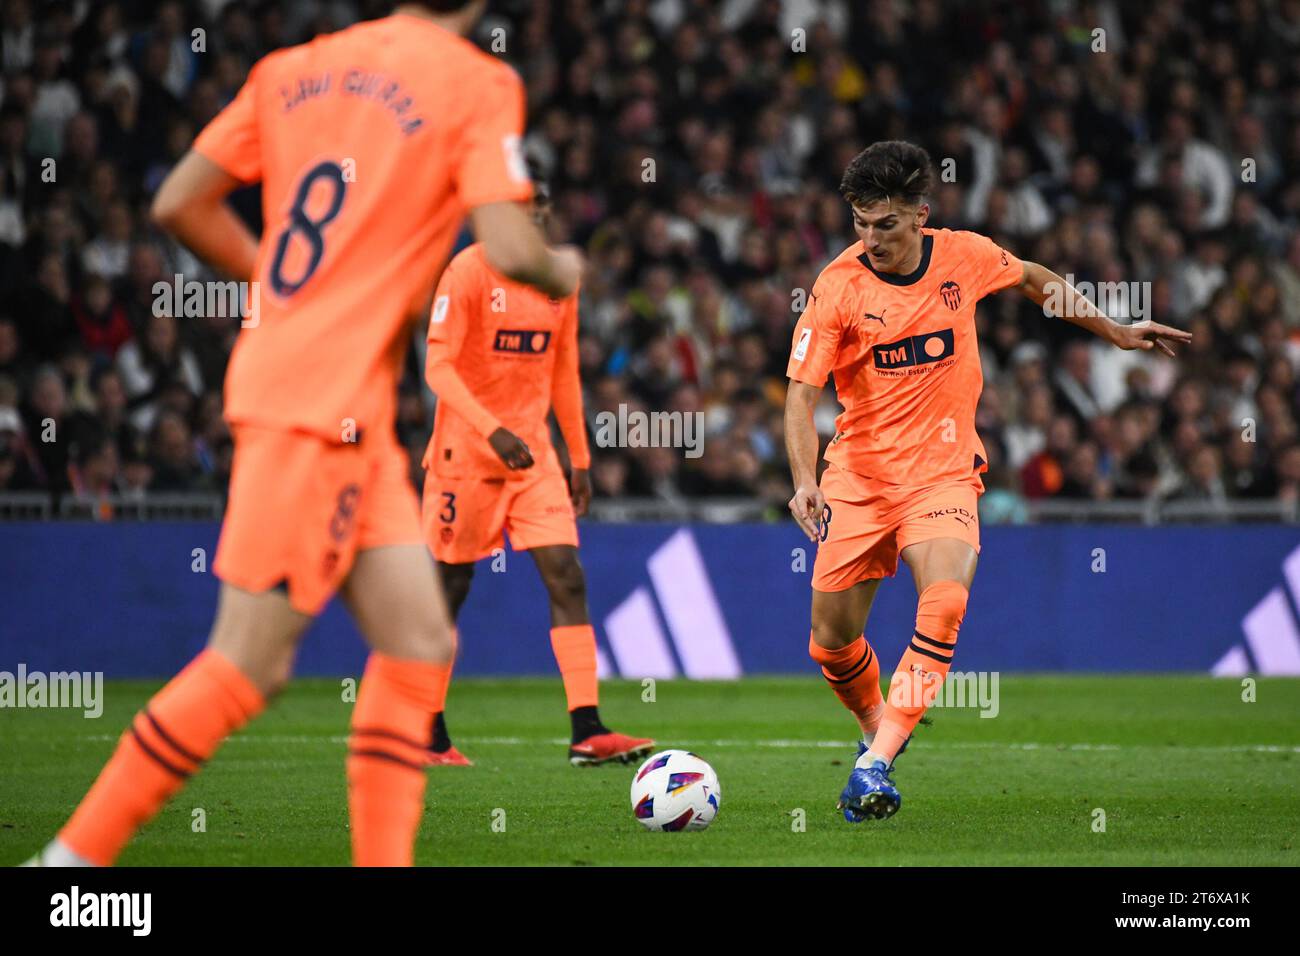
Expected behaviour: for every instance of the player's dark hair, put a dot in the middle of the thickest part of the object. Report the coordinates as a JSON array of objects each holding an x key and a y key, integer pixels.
[{"x": 892, "y": 169}]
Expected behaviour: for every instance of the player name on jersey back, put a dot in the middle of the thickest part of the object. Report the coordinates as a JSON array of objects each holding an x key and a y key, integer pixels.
[
  {"x": 384, "y": 90},
  {"x": 370, "y": 144}
]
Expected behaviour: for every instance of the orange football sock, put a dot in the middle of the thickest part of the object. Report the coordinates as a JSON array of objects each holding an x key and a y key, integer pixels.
[
  {"x": 853, "y": 671},
  {"x": 575, "y": 652},
  {"x": 169, "y": 740},
  {"x": 391, "y": 724},
  {"x": 924, "y": 666}
]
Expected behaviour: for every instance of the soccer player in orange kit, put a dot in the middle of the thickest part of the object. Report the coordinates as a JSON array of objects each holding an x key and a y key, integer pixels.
[
  {"x": 893, "y": 319},
  {"x": 371, "y": 145},
  {"x": 501, "y": 356}
]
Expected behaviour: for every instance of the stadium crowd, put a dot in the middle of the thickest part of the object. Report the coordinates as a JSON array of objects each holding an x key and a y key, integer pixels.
[{"x": 695, "y": 150}]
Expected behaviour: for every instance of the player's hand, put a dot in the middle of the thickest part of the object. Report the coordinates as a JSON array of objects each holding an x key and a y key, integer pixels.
[
  {"x": 580, "y": 490},
  {"x": 806, "y": 506},
  {"x": 511, "y": 449},
  {"x": 1148, "y": 336},
  {"x": 567, "y": 263}
]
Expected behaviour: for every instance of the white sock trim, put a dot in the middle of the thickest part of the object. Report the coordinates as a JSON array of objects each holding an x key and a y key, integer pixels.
[{"x": 59, "y": 853}]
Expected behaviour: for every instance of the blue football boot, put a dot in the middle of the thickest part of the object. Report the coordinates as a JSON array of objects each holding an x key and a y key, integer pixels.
[
  {"x": 874, "y": 797},
  {"x": 869, "y": 794}
]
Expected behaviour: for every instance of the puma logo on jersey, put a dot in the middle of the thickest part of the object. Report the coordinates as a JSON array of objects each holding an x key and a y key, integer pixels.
[{"x": 876, "y": 318}]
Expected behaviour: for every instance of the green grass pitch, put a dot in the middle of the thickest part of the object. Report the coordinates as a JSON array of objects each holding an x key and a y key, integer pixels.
[{"x": 1184, "y": 770}]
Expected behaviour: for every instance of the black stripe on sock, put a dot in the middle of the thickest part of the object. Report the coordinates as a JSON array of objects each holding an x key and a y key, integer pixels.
[
  {"x": 388, "y": 734},
  {"x": 927, "y": 653},
  {"x": 385, "y": 755},
  {"x": 150, "y": 752},
  {"x": 932, "y": 642},
  {"x": 169, "y": 739},
  {"x": 855, "y": 670}
]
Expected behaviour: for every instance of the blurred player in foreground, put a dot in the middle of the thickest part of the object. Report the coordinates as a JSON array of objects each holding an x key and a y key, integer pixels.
[
  {"x": 893, "y": 319},
  {"x": 370, "y": 145},
  {"x": 501, "y": 357}
]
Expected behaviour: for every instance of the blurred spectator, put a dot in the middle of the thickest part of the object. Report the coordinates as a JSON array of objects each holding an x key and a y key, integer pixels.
[
  {"x": 100, "y": 318},
  {"x": 149, "y": 365},
  {"x": 172, "y": 456},
  {"x": 697, "y": 156}
]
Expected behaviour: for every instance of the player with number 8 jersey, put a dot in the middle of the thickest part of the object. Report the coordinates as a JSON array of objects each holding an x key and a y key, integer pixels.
[
  {"x": 369, "y": 155},
  {"x": 371, "y": 146}
]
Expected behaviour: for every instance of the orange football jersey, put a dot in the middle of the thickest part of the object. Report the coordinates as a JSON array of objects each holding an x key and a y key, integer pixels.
[
  {"x": 904, "y": 356},
  {"x": 516, "y": 351},
  {"x": 370, "y": 144}
]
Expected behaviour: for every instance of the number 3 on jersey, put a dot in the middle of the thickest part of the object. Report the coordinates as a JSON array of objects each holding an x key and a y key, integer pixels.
[{"x": 309, "y": 231}]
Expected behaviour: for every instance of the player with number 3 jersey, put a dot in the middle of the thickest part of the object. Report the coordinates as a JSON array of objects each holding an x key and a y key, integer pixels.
[{"x": 501, "y": 358}]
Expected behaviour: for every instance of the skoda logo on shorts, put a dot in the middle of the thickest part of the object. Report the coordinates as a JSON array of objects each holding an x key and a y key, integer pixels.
[
  {"x": 914, "y": 350},
  {"x": 959, "y": 514}
]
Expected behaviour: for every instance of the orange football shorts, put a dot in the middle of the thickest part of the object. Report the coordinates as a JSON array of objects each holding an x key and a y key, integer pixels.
[
  {"x": 466, "y": 519},
  {"x": 301, "y": 507},
  {"x": 867, "y": 522}
]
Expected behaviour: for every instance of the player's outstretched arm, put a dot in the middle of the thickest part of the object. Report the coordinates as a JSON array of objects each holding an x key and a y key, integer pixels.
[
  {"x": 1039, "y": 284},
  {"x": 516, "y": 248},
  {"x": 801, "y": 445},
  {"x": 191, "y": 205}
]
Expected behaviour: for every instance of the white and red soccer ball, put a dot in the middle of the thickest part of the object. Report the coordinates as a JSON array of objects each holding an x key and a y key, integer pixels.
[{"x": 675, "y": 790}]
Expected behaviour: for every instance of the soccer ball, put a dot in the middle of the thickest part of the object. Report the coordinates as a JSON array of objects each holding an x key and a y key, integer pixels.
[{"x": 675, "y": 790}]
